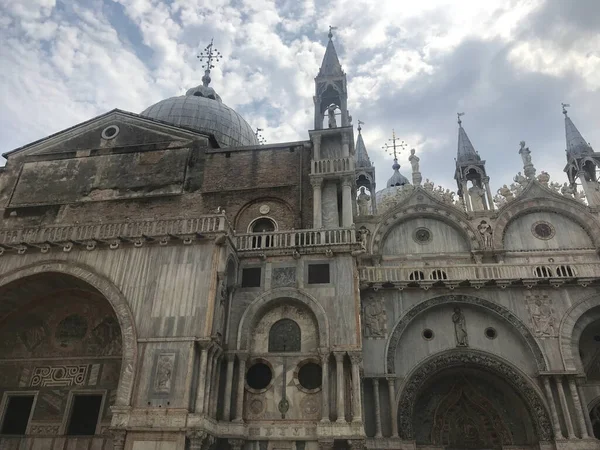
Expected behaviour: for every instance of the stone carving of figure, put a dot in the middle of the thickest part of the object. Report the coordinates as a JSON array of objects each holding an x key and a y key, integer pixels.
[
  {"x": 525, "y": 154},
  {"x": 476, "y": 193},
  {"x": 505, "y": 192},
  {"x": 363, "y": 202},
  {"x": 520, "y": 179},
  {"x": 499, "y": 200},
  {"x": 428, "y": 185},
  {"x": 414, "y": 161},
  {"x": 164, "y": 371},
  {"x": 448, "y": 196},
  {"x": 331, "y": 115},
  {"x": 516, "y": 189},
  {"x": 460, "y": 328},
  {"x": 567, "y": 190},
  {"x": 543, "y": 178},
  {"x": 375, "y": 318},
  {"x": 485, "y": 229},
  {"x": 542, "y": 319}
]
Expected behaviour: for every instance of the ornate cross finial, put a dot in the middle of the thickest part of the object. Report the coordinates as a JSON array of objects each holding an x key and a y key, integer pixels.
[
  {"x": 330, "y": 34},
  {"x": 564, "y": 107},
  {"x": 261, "y": 140},
  {"x": 458, "y": 115},
  {"x": 209, "y": 54},
  {"x": 394, "y": 149},
  {"x": 360, "y": 122}
]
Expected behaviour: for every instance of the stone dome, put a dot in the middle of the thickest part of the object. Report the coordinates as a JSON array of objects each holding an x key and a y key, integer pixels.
[{"x": 201, "y": 109}]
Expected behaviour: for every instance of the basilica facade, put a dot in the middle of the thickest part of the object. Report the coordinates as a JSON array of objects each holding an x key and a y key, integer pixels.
[{"x": 169, "y": 283}]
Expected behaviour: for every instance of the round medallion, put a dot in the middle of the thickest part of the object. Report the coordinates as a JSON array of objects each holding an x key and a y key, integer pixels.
[
  {"x": 110, "y": 132},
  {"x": 256, "y": 406},
  {"x": 310, "y": 406},
  {"x": 71, "y": 329},
  {"x": 543, "y": 230},
  {"x": 264, "y": 209},
  {"x": 422, "y": 236}
]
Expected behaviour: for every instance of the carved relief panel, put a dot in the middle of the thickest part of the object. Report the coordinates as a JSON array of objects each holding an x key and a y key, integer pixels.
[
  {"x": 542, "y": 318},
  {"x": 374, "y": 318}
]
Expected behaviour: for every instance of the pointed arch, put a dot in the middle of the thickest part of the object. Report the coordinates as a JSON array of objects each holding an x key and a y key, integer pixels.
[
  {"x": 495, "y": 308},
  {"x": 116, "y": 299}
]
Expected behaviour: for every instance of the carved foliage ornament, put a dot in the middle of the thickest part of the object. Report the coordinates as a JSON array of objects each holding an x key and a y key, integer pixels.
[
  {"x": 444, "y": 299},
  {"x": 452, "y": 358}
]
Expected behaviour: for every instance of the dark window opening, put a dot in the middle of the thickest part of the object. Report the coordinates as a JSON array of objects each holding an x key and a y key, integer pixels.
[
  {"x": 438, "y": 275},
  {"x": 565, "y": 271},
  {"x": 543, "y": 272},
  {"x": 251, "y": 277},
  {"x": 84, "y": 415},
  {"x": 16, "y": 416},
  {"x": 263, "y": 225},
  {"x": 310, "y": 376},
  {"x": 318, "y": 273},
  {"x": 259, "y": 376},
  {"x": 284, "y": 336},
  {"x": 416, "y": 276}
]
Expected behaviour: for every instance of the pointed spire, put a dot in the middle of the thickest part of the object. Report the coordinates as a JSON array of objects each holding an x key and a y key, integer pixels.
[
  {"x": 331, "y": 64},
  {"x": 362, "y": 157},
  {"x": 576, "y": 144},
  {"x": 466, "y": 151}
]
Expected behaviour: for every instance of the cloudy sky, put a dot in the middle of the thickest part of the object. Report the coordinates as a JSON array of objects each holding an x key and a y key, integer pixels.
[{"x": 411, "y": 66}]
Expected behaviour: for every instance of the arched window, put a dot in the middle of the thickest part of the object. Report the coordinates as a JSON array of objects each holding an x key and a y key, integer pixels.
[
  {"x": 284, "y": 336},
  {"x": 262, "y": 225}
]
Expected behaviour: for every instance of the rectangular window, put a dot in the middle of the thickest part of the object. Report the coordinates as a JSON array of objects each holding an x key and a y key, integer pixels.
[
  {"x": 318, "y": 273},
  {"x": 251, "y": 277},
  {"x": 84, "y": 415},
  {"x": 16, "y": 416}
]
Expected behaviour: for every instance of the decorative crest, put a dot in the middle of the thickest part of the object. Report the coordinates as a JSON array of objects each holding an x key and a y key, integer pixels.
[
  {"x": 458, "y": 115},
  {"x": 330, "y": 34},
  {"x": 259, "y": 137},
  {"x": 564, "y": 108},
  {"x": 210, "y": 55},
  {"x": 360, "y": 122},
  {"x": 394, "y": 149}
]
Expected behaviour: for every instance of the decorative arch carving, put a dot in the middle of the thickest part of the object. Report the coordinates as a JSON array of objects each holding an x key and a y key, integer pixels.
[
  {"x": 477, "y": 359},
  {"x": 438, "y": 211},
  {"x": 116, "y": 299},
  {"x": 241, "y": 227},
  {"x": 571, "y": 209},
  {"x": 568, "y": 336},
  {"x": 257, "y": 308},
  {"x": 492, "y": 307}
]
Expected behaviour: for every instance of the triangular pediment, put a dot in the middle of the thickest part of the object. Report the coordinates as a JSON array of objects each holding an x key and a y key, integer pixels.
[{"x": 115, "y": 129}]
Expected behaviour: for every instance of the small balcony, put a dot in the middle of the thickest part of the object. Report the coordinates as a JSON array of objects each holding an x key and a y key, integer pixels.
[{"x": 331, "y": 166}]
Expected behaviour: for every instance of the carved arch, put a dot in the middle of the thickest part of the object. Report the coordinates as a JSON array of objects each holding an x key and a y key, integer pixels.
[
  {"x": 255, "y": 201},
  {"x": 492, "y": 307},
  {"x": 573, "y": 210},
  {"x": 438, "y": 211},
  {"x": 116, "y": 299},
  {"x": 475, "y": 168},
  {"x": 258, "y": 307},
  {"x": 529, "y": 393},
  {"x": 568, "y": 336}
]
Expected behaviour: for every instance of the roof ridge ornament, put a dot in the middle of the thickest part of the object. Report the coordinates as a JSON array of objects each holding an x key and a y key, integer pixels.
[
  {"x": 460, "y": 121},
  {"x": 360, "y": 122},
  {"x": 564, "y": 108},
  {"x": 330, "y": 34},
  {"x": 210, "y": 54},
  {"x": 394, "y": 149}
]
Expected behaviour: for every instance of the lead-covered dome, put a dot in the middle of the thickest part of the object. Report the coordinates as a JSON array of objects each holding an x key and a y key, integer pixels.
[{"x": 201, "y": 109}]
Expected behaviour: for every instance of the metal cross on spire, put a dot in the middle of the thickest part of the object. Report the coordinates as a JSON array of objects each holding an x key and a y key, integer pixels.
[
  {"x": 330, "y": 34},
  {"x": 394, "y": 149},
  {"x": 564, "y": 107},
  {"x": 210, "y": 55}
]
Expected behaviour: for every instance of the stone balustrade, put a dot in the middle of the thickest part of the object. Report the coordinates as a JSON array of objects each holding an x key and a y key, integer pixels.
[
  {"x": 478, "y": 275},
  {"x": 326, "y": 166},
  {"x": 295, "y": 238}
]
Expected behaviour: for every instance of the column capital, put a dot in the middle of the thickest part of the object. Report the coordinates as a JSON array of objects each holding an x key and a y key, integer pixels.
[
  {"x": 242, "y": 356},
  {"x": 118, "y": 439},
  {"x": 229, "y": 356},
  {"x": 326, "y": 445},
  {"x": 339, "y": 356},
  {"x": 197, "y": 439},
  {"x": 347, "y": 181},
  {"x": 236, "y": 444},
  {"x": 375, "y": 381},
  {"x": 316, "y": 138},
  {"x": 324, "y": 353},
  {"x": 355, "y": 357},
  {"x": 316, "y": 182},
  {"x": 345, "y": 138},
  {"x": 357, "y": 444}
]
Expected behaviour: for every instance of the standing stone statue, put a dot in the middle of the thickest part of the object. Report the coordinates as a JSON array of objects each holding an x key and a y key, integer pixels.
[
  {"x": 363, "y": 202},
  {"x": 485, "y": 229},
  {"x": 414, "y": 161},
  {"x": 527, "y": 164},
  {"x": 460, "y": 328},
  {"x": 476, "y": 193},
  {"x": 331, "y": 115},
  {"x": 375, "y": 318}
]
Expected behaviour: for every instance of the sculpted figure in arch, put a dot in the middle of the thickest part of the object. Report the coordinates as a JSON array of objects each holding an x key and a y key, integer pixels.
[
  {"x": 476, "y": 193},
  {"x": 460, "y": 328},
  {"x": 363, "y": 202},
  {"x": 375, "y": 318},
  {"x": 485, "y": 229},
  {"x": 331, "y": 115}
]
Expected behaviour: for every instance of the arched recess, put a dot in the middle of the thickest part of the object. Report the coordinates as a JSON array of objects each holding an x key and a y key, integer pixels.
[
  {"x": 438, "y": 212},
  {"x": 575, "y": 320},
  {"x": 433, "y": 365},
  {"x": 259, "y": 306},
  {"x": 493, "y": 307},
  {"x": 569, "y": 208},
  {"x": 279, "y": 211},
  {"x": 116, "y": 299}
]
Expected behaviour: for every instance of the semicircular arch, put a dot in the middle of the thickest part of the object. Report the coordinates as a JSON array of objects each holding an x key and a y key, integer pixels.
[
  {"x": 495, "y": 308},
  {"x": 569, "y": 333},
  {"x": 117, "y": 301},
  {"x": 261, "y": 304},
  {"x": 415, "y": 380}
]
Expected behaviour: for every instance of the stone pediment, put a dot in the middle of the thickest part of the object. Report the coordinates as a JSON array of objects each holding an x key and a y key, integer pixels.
[{"x": 114, "y": 130}]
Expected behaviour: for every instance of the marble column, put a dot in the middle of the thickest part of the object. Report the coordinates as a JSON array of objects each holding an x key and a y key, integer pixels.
[
  {"x": 465, "y": 196},
  {"x": 345, "y": 145},
  {"x": 377, "y": 408},
  {"x": 199, "y": 409},
  {"x": 239, "y": 407},
  {"x": 550, "y": 398},
  {"x": 578, "y": 409},
  {"x": 393, "y": 410},
  {"x": 373, "y": 200},
  {"x": 214, "y": 398},
  {"x": 356, "y": 359},
  {"x": 317, "y": 147},
  {"x": 317, "y": 184},
  {"x": 586, "y": 413},
  {"x": 230, "y": 357},
  {"x": 488, "y": 192},
  {"x": 196, "y": 439},
  {"x": 347, "y": 203},
  {"x": 565, "y": 407},
  {"x": 210, "y": 373},
  {"x": 324, "y": 385},
  {"x": 339, "y": 369}
]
